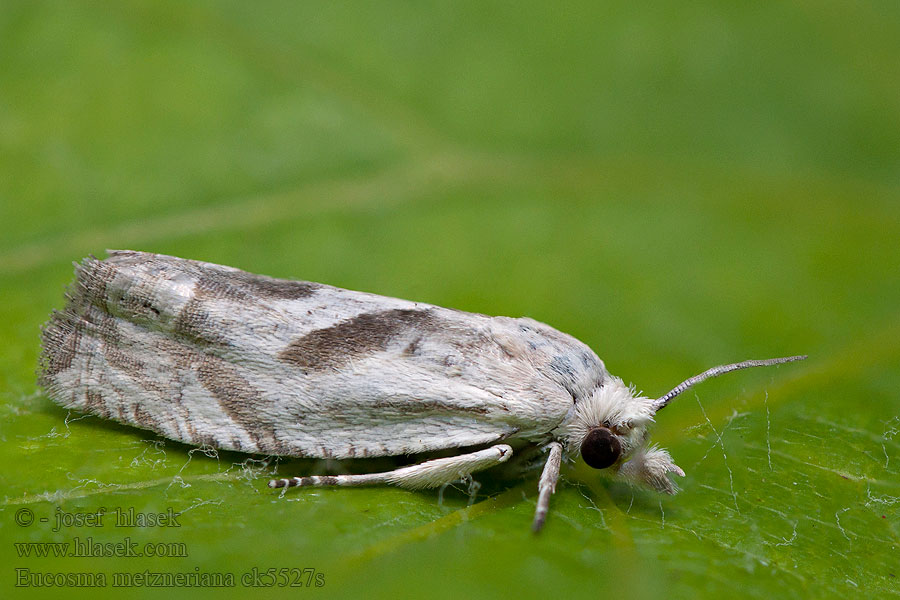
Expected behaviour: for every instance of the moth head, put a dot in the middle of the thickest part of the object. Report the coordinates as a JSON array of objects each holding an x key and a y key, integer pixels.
[{"x": 611, "y": 424}]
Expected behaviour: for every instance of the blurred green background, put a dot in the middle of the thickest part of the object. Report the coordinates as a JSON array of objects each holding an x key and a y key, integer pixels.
[{"x": 677, "y": 185}]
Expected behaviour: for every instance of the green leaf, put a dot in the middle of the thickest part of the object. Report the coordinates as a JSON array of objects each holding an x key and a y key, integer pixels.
[{"x": 678, "y": 187}]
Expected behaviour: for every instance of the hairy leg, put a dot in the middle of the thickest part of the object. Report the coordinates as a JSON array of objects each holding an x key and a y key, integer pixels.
[{"x": 431, "y": 473}]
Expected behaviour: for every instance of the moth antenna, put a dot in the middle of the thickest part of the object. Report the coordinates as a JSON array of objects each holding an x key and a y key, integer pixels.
[{"x": 662, "y": 401}]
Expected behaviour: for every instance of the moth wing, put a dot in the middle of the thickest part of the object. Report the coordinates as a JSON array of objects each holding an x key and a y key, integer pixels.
[{"x": 212, "y": 355}]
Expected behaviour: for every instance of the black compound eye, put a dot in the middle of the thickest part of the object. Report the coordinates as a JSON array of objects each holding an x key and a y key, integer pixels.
[{"x": 600, "y": 448}]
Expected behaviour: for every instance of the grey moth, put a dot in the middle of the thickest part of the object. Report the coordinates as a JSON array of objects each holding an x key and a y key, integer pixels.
[{"x": 211, "y": 355}]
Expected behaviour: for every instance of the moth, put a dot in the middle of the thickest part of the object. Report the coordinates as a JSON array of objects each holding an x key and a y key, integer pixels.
[{"x": 211, "y": 355}]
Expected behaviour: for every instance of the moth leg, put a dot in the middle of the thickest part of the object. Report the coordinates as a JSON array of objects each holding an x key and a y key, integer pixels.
[
  {"x": 649, "y": 466},
  {"x": 431, "y": 473},
  {"x": 547, "y": 485}
]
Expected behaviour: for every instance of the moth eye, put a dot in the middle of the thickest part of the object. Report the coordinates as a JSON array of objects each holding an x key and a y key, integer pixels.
[{"x": 600, "y": 448}]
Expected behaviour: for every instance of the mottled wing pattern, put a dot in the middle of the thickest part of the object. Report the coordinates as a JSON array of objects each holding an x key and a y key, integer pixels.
[{"x": 208, "y": 354}]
